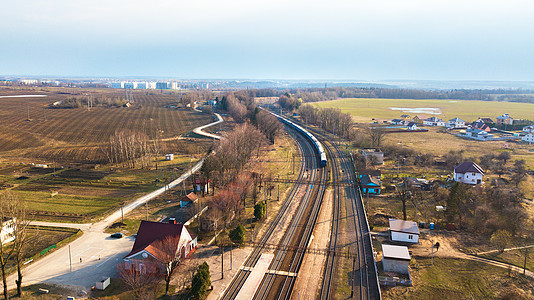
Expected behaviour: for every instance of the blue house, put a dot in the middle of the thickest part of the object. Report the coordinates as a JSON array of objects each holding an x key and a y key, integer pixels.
[{"x": 370, "y": 183}]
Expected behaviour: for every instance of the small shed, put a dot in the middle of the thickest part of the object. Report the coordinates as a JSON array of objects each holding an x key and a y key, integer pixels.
[
  {"x": 188, "y": 199},
  {"x": 403, "y": 231},
  {"x": 169, "y": 156},
  {"x": 202, "y": 185},
  {"x": 375, "y": 156},
  {"x": 396, "y": 259},
  {"x": 370, "y": 184}
]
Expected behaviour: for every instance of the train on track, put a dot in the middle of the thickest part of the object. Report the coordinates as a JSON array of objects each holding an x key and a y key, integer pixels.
[{"x": 316, "y": 143}]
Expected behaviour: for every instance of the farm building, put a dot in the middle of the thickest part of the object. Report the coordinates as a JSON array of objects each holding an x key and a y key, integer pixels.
[
  {"x": 370, "y": 184},
  {"x": 374, "y": 156},
  {"x": 412, "y": 126},
  {"x": 152, "y": 244},
  {"x": 529, "y": 138},
  {"x": 403, "y": 231},
  {"x": 505, "y": 119},
  {"x": 456, "y": 123},
  {"x": 468, "y": 172},
  {"x": 188, "y": 199},
  {"x": 396, "y": 259},
  {"x": 7, "y": 233}
]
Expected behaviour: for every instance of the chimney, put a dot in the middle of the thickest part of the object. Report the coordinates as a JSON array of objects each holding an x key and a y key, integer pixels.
[{"x": 172, "y": 221}]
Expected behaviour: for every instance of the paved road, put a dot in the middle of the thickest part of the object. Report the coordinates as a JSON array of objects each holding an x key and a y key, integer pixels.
[
  {"x": 198, "y": 130},
  {"x": 95, "y": 254}
]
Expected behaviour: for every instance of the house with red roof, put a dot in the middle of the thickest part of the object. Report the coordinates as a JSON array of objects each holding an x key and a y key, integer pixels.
[
  {"x": 468, "y": 172},
  {"x": 156, "y": 241}
]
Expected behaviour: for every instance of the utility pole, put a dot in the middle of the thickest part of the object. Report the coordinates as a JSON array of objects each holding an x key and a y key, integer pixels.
[
  {"x": 70, "y": 259},
  {"x": 222, "y": 262},
  {"x": 146, "y": 206},
  {"x": 432, "y": 257},
  {"x": 122, "y": 216}
]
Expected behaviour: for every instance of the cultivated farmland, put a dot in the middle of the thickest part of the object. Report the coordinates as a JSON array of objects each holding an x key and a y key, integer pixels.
[{"x": 29, "y": 129}]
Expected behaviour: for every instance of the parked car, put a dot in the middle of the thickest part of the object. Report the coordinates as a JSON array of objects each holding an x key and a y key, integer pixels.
[{"x": 117, "y": 235}]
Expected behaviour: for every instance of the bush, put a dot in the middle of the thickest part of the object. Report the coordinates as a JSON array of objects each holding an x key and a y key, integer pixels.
[
  {"x": 238, "y": 234},
  {"x": 201, "y": 282},
  {"x": 259, "y": 210},
  {"x": 501, "y": 239}
]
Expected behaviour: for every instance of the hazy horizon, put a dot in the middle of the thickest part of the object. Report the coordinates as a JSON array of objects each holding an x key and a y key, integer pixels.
[{"x": 363, "y": 41}]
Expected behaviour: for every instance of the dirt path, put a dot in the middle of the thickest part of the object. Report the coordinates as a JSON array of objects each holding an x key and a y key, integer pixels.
[{"x": 447, "y": 249}]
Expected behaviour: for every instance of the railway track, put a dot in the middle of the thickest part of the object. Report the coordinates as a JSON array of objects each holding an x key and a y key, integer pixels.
[
  {"x": 364, "y": 280},
  {"x": 279, "y": 280},
  {"x": 238, "y": 280}
]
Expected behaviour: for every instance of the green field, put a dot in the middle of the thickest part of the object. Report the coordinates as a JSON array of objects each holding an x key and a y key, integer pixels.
[
  {"x": 365, "y": 109},
  {"x": 460, "y": 279}
]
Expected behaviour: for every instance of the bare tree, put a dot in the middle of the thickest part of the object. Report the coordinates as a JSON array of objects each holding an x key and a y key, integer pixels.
[
  {"x": 142, "y": 281},
  {"x": 8, "y": 210},
  {"x": 376, "y": 134},
  {"x": 170, "y": 256}
]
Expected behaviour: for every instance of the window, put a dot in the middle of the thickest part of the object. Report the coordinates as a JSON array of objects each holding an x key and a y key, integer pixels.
[{"x": 410, "y": 237}]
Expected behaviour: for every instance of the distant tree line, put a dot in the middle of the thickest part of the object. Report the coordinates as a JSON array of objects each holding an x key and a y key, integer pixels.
[
  {"x": 77, "y": 102},
  {"x": 323, "y": 94},
  {"x": 329, "y": 119}
]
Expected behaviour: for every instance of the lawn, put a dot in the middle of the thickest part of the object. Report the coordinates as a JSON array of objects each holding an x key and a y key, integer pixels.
[
  {"x": 514, "y": 257},
  {"x": 460, "y": 279},
  {"x": 365, "y": 109}
]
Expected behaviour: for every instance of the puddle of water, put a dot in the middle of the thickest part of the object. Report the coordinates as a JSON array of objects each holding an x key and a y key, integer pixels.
[{"x": 419, "y": 110}]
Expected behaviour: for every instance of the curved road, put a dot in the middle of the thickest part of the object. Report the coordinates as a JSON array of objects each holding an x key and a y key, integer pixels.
[{"x": 85, "y": 260}]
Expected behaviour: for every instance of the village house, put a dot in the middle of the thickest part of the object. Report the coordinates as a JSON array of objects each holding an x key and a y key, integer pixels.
[
  {"x": 7, "y": 233},
  {"x": 478, "y": 134},
  {"x": 152, "y": 244},
  {"x": 485, "y": 120},
  {"x": 396, "y": 259},
  {"x": 468, "y": 172},
  {"x": 505, "y": 119},
  {"x": 398, "y": 122},
  {"x": 403, "y": 231},
  {"x": 480, "y": 125},
  {"x": 456, "y": 123},
  {"x": 529, "y": 128},
  {"x": 434, "y": 121},
  {"x": 418, "y": 119},
  {"x": 412, "y": 126},
  {"x": 529, "y": 138},
  {"x": 370, "y": 182},
  {"x": 188, "y": 199},
  {"x": 373, "y": 156},
  {"x": 405, "y": 117}
]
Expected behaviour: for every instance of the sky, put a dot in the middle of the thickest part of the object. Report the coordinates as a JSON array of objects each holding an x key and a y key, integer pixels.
[{"x": 270, "y": 39}]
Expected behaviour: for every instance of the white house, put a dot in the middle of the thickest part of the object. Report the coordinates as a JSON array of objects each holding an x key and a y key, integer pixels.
[
  {"x": 433, "y": 121},
  {"x": 7, "y": 234},
  {"x": 529, "y": 128},
  {"x": 412, "y": 126},
  {"x": 396, "y": 259},
  {"x": 456, "y": 123},
  {"x": 403, "y": 231},
  {"x": 529, "y": 138},
  {"x": 468, "y": 172}
]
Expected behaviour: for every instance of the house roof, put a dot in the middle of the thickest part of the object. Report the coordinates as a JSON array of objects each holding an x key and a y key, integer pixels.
[
  {"x": 369, "y": 180},
  {"x": 456, "y": 120},
  {"x": 468, "y": 166},
  {"x": 405, "y": 116},
  {"x": 486, "y": 120},
  {"x": 371, "y": 172},
  {"x": 403, "y": 226},
  {"x": 150, "y": 233},
  {"x": 395, "y": 252},
  {"x": 411, "y": 124},
  {"x": 371, "y": 150},
  {"x": 420, "y": 117},
  {"x": 190, "y": 197},
  {"x": 503, "y": 117},
  {"x": 396, "y": 120}
]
